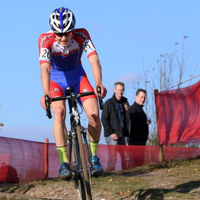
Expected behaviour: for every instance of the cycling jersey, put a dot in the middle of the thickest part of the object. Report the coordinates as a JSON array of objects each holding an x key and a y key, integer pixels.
[
  {"x": 65, "y": 58},
  {"x": 66, "y": 66}
]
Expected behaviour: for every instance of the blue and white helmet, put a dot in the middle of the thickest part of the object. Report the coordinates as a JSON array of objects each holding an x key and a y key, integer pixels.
[{"x": 62, "y": 20}]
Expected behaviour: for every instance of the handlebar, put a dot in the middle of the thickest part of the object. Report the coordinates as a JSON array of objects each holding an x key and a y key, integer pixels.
[
  {"x": 47, "y": 103},
  {"x": 71, "y": 95},
  {"x": 99, "y": 97}
]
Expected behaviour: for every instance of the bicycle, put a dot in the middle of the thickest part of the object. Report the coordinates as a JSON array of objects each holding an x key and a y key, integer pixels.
[{"x": 79, "y": 151}]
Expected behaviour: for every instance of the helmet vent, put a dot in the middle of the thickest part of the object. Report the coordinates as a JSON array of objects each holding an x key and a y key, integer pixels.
[
  {"x": 57, "y": 17},
  {"x": 57, "y": 25},
  {"x": 64, "y": 17}
]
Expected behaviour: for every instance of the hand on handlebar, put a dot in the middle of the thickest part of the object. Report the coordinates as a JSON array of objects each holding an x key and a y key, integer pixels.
[
  {"x": 101, "y": 93},
  {"x": 102, "y": 89},
  {"x": 42, "y": 102},
  {"x": 47, "y": 106}
]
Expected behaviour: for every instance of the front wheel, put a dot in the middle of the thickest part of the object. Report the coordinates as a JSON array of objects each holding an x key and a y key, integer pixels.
[
  {"x": 84, "y": 173},
  {"x": 76, "y": 166}
]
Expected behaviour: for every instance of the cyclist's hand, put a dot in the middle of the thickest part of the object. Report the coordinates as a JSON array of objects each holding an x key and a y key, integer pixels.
[
  {"x": 103, "y": 91},
  {"x": 42, "y": 102}
]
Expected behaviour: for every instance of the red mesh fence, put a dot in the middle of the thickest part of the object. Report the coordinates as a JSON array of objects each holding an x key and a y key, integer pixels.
[
  {"x": 24, "y": 161},
  {"x": 118, "y": 157},
  {"x": 20, "y": 159},
  {"x": 171, "y": 153},
  {"x": 178, "y": 115}
]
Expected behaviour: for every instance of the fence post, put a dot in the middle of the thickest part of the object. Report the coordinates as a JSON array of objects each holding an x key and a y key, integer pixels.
[
  {"x": 160, "y": 147},
  {"x": 161, "y": 154},
  {"x": 46, "y": 157}
]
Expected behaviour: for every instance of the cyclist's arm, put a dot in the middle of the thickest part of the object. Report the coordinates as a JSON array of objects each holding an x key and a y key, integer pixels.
[
  {"x": 45, "y": 79},
  {"x": 96, "y": 68}
]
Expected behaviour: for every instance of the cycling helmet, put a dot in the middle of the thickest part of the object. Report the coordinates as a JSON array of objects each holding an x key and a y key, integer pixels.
[{"x": 62, "y": 20}]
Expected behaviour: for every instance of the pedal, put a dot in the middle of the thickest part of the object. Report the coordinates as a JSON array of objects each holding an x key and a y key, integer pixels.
[{"x": 73, "y": 174}]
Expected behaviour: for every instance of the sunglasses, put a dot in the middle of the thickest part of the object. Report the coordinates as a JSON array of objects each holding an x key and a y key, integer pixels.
[{"x": 64, "y": 34}]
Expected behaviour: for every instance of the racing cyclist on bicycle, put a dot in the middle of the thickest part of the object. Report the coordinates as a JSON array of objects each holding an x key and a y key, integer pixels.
[{"x": 60, "y": 52}]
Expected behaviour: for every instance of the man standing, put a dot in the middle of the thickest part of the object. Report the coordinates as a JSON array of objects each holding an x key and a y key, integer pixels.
[
  {"x": 114, "y": 117},
  {"x": 139, "y": 129},
  {"x": 115, "y": 122}
]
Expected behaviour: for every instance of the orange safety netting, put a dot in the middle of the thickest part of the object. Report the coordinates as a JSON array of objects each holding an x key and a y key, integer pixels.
[
  {"x": 24, "y": 161},
  {"x": 178, "y": 115}
]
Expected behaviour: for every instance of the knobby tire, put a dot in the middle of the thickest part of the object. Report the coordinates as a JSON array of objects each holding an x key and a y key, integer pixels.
[
  {"x": 75, "y": 156},
  {"x": 84, "y": 164}
]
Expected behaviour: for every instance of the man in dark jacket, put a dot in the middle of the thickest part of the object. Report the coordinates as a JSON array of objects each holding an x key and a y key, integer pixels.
[
  {"x": 114, "y": 117},
  {"x": 115, "y": 121},
  {"x": 139, "y": 130}
]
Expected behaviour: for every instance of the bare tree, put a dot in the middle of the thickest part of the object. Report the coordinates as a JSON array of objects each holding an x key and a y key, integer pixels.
[{"x": 162, "y": 77}]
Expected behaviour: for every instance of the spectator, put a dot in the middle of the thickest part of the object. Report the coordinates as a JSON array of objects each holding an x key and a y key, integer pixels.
[
  {"x": 115, "y": 121},
  {"x": 126, "y": 105},
  {"x": 139, "y": 129}
]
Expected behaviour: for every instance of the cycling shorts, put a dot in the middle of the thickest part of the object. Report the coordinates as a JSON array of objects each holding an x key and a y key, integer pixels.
[{"x": 76, "y": 79}]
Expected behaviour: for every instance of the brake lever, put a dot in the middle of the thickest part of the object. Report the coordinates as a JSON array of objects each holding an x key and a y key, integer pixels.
[
  {"x": 99, "y": 97},
  {"x": 47, "y": 103}
]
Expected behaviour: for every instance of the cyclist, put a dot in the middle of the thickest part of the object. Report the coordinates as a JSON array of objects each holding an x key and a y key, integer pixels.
[{"x": 60, "y": 52}]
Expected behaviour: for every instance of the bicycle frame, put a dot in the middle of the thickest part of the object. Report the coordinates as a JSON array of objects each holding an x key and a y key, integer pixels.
[
  {"x": 77, "y": 138},
  {"x": 82, "y": 177}
]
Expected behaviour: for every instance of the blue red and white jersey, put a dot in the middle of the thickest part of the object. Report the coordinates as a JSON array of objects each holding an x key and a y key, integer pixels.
[{"x": 65, "y": 58}]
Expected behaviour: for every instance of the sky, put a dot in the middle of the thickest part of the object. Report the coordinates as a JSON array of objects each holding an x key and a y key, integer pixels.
[{"x": 129, "y": 37}]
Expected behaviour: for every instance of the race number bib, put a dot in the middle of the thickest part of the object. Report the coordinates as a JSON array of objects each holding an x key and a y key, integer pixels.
[
  {"x": 88, "y": 47},
  {"x": 44, "y": 54}
]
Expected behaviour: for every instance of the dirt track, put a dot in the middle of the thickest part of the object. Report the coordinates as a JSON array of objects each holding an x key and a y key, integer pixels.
[{"x": 177, "y": 181}]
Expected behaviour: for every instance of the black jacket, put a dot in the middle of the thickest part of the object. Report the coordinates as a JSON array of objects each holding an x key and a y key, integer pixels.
[
  {"x": 110, "y": 118},
  {"x": 138, "y": 124}
]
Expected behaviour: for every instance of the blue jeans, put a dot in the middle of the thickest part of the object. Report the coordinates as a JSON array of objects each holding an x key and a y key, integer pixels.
[
  {"x": 112, "y": 153},
  {"x": 120, "y": 141}
]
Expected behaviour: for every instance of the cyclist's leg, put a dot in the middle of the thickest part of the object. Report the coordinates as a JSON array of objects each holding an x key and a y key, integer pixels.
[
  {"x": 94, "y": 130},
  {"x": 59, "y": 130},
  {"x": 90, "y": 106}
]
